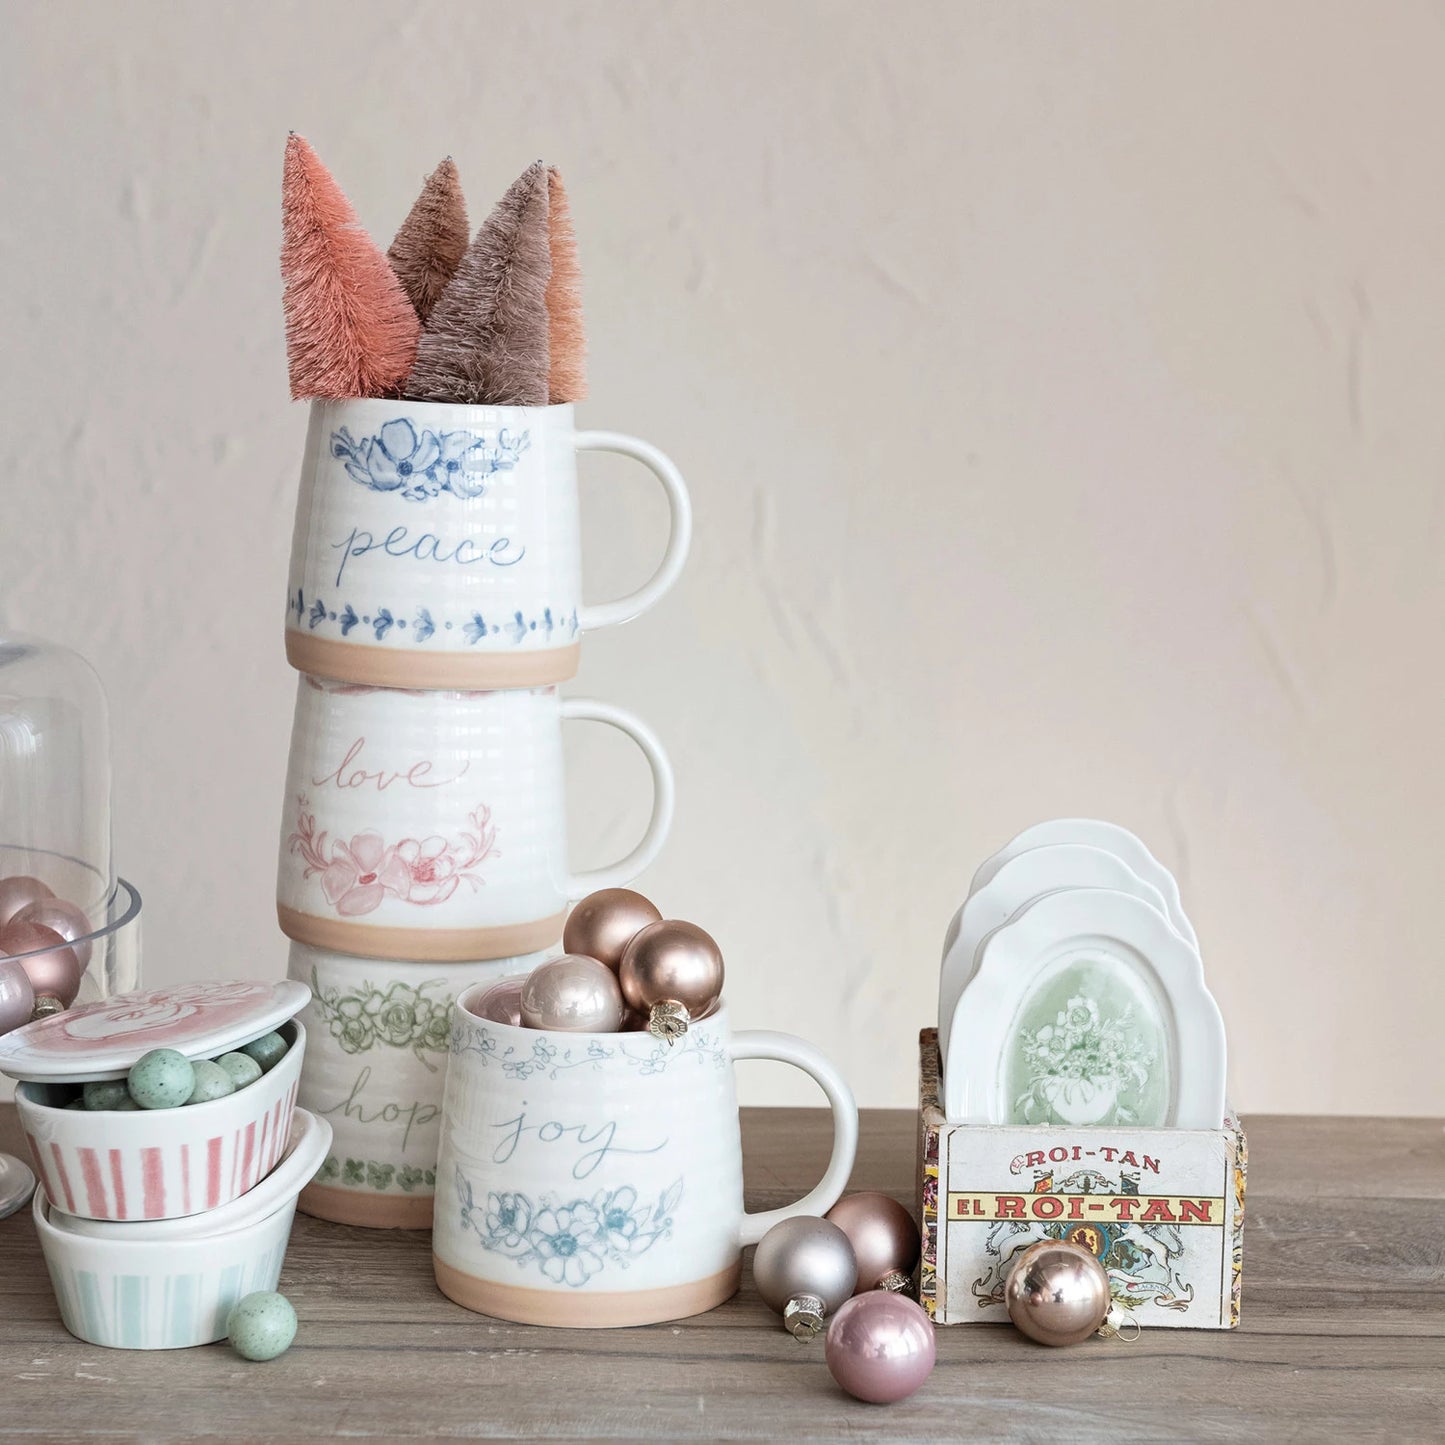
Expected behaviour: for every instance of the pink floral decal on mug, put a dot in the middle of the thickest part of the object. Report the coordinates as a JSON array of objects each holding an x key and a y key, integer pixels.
[{"x": 357, "y": 874}]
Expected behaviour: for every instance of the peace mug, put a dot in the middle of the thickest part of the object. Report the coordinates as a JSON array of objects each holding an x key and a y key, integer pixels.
[
  {"x": 596, "y": 1179},
  {"x": 376, "y": 1059},
  {"x": 438, "y": 545},
  {"x": 431, "y": 825}
]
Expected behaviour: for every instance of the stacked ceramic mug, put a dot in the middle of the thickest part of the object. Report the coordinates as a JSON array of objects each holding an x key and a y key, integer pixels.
[{"x": 434, "y": 606}]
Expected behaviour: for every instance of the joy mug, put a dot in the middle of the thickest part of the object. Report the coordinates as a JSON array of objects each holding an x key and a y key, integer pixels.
[
  {"x": 596, "y": 1179},
  {"x": 438, "y": 545},
  {"x": 378, "y": 1032},
  {"x": 431, "y": 825}
]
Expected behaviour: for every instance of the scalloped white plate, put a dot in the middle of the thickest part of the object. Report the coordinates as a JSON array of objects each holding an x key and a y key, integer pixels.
[
  {"x": 1087, "y": 1009},
  {"x": 1097, "y": 834},
  {"x": 1017, "y": 883}
]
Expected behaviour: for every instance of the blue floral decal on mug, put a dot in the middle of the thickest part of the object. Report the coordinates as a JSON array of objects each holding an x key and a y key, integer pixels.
[
  {"x": 471, "y": 626},
  {"x": 422, "y": 465},
  {"x": 545, "y": 1059},
  {"x": 573, "y": 1241}
]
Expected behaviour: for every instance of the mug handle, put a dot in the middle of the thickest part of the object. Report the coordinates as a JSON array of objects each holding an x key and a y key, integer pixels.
[
  {"x": 587, "y": 709},
  {"x": 624, "y": 609},
  {"x": 784, "y": 1048}
]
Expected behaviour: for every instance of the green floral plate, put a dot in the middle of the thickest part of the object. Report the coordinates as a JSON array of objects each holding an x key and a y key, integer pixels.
[{"x": 1086, "y": 1008}]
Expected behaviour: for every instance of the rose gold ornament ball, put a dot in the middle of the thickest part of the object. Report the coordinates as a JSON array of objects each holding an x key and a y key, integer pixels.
[
  {"x": 604, "y": 923},
  {"x": 1057, "y": 1293},
  {"x": 884, "y": 1237},
  {"x": 54, "y": 973},
  {"x": 672, "y": 960},
  {"x": 17, "y": 892},
  {"x": 572, "y": 994},
  {"x": 65, "y": 918}
]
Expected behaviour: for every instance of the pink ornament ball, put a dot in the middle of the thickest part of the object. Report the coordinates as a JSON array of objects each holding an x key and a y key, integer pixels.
[
  {"x": 880, "y": 1347},
  {"x": 19, "y": 891},
  {"x": 51, "y": 963},
  {"x": 17, "y": 996},
  {"x": 65, "y": 919}
]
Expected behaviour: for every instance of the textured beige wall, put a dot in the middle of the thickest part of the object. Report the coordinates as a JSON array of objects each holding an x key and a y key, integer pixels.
[{"x": 1059, "y": 386}]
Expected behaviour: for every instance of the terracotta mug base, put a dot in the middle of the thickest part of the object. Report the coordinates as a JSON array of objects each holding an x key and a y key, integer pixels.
[
  {"x": 587, "y": 1309},
  {"x": 366, "y": 1210},
  {"x": 420, "y": 945},
  {"x": 430, "y": 671}
]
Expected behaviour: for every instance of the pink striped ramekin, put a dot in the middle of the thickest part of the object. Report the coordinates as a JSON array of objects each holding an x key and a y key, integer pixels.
[{"x": 162, "y": 1163}]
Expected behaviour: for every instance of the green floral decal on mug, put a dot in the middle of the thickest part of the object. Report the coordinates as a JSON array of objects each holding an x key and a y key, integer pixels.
[
  {"x": 401, "y": 1016},
  {"x": 374, "y": 1175}
]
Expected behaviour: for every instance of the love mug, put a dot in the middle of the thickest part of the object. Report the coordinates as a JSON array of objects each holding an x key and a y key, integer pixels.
[
  {"x": 431, "y": 826},
  {"x": 438, "y": 545},
  {"x": 597, "y": 1179}
]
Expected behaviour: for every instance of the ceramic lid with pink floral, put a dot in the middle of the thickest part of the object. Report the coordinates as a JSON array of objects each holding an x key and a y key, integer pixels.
[{"x": 102, "y": 1040}]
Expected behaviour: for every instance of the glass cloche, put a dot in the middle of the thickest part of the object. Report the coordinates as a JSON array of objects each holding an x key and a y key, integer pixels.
[{"x": 69, "y": 927}]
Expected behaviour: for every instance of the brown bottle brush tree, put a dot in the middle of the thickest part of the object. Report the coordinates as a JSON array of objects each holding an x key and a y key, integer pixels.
[
  {"x": 432, "y": 240},
  {"x": 487, "y": 340}
]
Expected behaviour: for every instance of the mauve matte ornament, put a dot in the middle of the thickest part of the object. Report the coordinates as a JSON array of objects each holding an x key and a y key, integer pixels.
[{"x": 884, "y": 1237}]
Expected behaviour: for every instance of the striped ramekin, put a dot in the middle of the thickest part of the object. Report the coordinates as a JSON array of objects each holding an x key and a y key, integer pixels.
[{"x": 162, "y": 1163}]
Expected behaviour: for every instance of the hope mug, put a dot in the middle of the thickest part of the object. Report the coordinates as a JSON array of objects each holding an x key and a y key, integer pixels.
[
  {"x": 438, "y": 545},
  {"x": 597, "y": 1179},
  {"x": 431, "y": 826},
  {"x": 377, "y": 1032}
]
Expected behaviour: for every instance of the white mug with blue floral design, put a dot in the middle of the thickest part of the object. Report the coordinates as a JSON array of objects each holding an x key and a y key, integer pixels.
[
  {"x": 376, "y": 1060},
  {"x": 596, "y": 1179},
  {"x": 432, "y": 825},
  {"x": 439, "y": 546}
]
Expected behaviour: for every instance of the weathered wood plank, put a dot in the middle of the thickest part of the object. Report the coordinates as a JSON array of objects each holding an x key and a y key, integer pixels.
[{"x": 1343, "y": 1331}]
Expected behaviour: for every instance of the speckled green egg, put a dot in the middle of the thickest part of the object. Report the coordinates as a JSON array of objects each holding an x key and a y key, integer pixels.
[
  {"x": 212, "y": 1082},
  {"x": 76, "y": 1104},
  {"x": 161, "y": 1079},
  {"x": 262, "y": 1325},
  {"x": 126, "y": 1106},
  {"x": 268, "y": 1050},
  {"x": 242, "y": 1068},
  {"x": 104, "y": 1093}
]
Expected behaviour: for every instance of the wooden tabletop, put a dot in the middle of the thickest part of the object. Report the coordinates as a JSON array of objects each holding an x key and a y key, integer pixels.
[{"x": 1343, "y": 1332}]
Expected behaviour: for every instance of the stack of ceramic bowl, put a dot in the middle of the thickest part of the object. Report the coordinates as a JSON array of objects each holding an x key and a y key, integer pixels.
[
  {"x": 434, "y": 604},
  {"x": 154, "y": 1222},
  {"x": 1072, "y": 990}
]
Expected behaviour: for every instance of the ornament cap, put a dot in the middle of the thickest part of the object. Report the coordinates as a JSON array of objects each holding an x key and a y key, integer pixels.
[
  {"x": 803, "y": 1316},
  {"x": 668, "y": 1020},
  {"x": 47, "y": 1004},
  {"x": 1120, "y": 1324},
  {"x": 896, "y": 1281}
]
